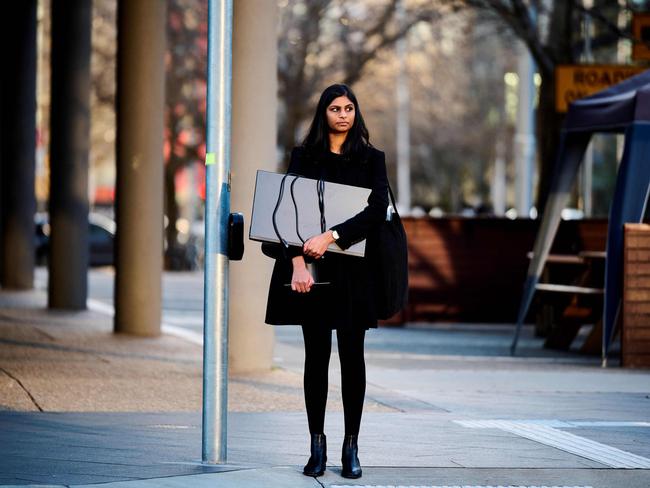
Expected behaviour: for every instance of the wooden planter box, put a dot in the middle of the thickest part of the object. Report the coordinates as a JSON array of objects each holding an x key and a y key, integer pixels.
[{"x": 635, "y": 341}]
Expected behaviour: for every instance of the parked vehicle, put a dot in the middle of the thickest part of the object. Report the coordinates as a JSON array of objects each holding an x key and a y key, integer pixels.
[{"x": 101, "y": 237}]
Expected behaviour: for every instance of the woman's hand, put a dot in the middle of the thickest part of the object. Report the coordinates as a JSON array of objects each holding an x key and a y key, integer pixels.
[
  {"x": 301, "y": 280},
  {"x": 317, "y": 245}
]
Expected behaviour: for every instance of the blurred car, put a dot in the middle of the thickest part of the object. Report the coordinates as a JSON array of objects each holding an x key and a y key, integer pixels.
[{"x": 101, "y": 238}]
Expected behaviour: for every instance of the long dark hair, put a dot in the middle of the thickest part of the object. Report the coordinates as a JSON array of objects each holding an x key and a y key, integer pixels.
[{"x": 356, "y": 143}]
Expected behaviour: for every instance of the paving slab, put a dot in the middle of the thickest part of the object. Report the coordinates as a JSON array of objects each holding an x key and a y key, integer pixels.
[
  {"x": 445, "y": 406},
  {"x": 395, "y": 477}
]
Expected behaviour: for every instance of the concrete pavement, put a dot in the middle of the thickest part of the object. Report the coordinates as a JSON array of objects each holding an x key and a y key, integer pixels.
[{"x": 445, "y": 406}]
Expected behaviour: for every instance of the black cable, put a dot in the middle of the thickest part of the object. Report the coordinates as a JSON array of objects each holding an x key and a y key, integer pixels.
[
  {"x": 295, "y": 208},
  {"x": 320, "y": 190},
  {"x": 275, "y": 211}
]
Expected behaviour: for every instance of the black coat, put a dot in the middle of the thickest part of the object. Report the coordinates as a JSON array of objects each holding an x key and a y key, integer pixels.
[{"x": 349, "y": 301}]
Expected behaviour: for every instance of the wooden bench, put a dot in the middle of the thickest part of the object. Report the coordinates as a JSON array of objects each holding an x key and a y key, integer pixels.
[
  {"x": 576, "y": 290},
  {"x": 564, "y": 308}
]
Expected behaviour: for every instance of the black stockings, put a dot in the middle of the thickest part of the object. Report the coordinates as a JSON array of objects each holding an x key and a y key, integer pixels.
[{"x": 318, "y": 346}]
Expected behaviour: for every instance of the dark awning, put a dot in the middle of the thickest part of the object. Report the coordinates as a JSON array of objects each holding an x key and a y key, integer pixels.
[{"x": 623, "y": 108}]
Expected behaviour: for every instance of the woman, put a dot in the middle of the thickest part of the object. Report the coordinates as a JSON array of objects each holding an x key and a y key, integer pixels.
[{"x": 337, "y": 148}]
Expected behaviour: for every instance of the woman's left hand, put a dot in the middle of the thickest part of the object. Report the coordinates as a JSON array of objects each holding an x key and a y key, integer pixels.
[{"x": 317, "y": 245}]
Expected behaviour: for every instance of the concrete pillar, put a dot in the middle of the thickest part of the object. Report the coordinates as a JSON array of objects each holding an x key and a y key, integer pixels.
[
  {"x": 69, "y": 146},
  {"x": 2, "y": 179},
  {"x": 18, "y": 142},
  {"x": 254, "y": 107},
  {"x": 2, "y": 175},
  {"x": 139, "y": 185}
]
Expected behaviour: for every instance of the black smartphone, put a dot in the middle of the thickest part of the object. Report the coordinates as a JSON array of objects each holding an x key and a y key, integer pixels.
[{"x": 313, "y": 284}]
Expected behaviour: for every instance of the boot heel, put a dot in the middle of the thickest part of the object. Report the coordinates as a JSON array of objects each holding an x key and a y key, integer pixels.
[
  {"x": 316, "y": 464},
  {"x": 351, "y": 468}
]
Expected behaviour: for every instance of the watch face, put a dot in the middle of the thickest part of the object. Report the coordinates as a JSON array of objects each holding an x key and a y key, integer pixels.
[{"x": 335, "y": 235}]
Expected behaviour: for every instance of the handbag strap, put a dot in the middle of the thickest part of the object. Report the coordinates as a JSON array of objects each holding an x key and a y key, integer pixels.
[
  {"x": 392, "y": 198},
  {"x": 320, "y": 191}
]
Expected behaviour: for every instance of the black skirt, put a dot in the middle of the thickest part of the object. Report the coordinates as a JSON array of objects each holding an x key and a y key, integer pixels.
[{"x": 345, "y": 302}]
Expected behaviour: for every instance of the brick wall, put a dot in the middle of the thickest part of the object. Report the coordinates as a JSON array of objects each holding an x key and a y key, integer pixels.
[{"x": 635, "y": 342}]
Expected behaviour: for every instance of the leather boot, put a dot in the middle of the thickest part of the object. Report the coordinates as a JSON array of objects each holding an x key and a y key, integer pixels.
[
  {"x": 316, "y": 464},
  {"x": 349, "y": 457}
]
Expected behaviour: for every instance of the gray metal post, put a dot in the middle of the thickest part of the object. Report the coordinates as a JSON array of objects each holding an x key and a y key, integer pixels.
[
  {"x": 217, "y": 202},
  {"x": 525, "y": 135},
  {"x": 588, "y": 165},
  {"x": 499, "y": 179},
  {"x": 403, "y": 128}
]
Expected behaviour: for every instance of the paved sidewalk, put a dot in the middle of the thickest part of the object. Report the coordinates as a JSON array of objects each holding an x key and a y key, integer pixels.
[{"x": 445, "y": 406}]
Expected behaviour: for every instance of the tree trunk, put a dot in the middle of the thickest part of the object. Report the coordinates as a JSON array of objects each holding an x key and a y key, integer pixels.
[
  {"x": 562, "y": 30},
  {"x": 287, "y": 134},
  {"x": 171, "y": 206},
  {"x": 549, "y": 125}
]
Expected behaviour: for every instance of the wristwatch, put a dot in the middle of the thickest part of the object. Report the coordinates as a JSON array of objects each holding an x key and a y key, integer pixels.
[{"x": 335, "y": 235}]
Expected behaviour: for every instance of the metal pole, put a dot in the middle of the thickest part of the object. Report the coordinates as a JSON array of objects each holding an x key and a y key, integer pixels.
[
  {"x": 217, "y": 201},
  {"x": 525, "y": 136},
  {"x": 588, "y": 166},
  {"x": 499, "y": 179},
  {"x": 403, "y": 129}
]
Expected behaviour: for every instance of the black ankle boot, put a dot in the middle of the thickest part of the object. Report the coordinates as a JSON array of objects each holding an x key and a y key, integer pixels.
[
  {"x": 349, "y": 457},
  {"x": 316, "y": 464}
]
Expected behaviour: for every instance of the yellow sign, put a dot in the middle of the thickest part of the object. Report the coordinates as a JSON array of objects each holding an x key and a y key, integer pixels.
[
  {"x": 641, "y": 33},
  {"x": 573, "y": 82}
]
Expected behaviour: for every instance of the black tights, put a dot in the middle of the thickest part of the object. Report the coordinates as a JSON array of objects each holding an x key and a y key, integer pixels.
[{"x": 318, "y": 346}]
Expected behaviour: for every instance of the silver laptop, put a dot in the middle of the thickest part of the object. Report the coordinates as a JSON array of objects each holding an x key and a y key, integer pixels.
[{"x": 341, "y": 203}]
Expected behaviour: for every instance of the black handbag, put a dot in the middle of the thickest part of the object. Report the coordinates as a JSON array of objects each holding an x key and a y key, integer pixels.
[
  {"x": 389, "y": 258},
  {"x": 273, "y": 250}
]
